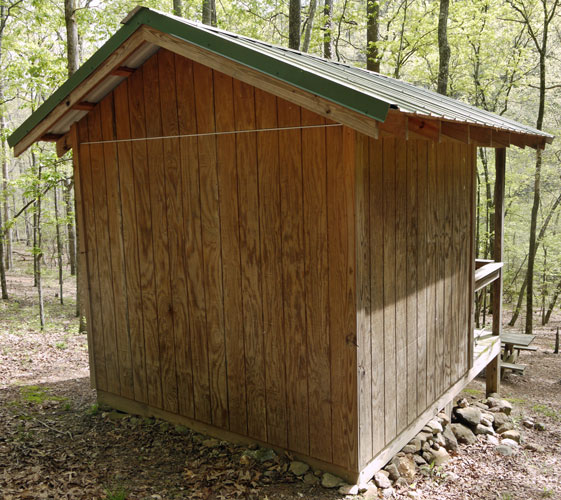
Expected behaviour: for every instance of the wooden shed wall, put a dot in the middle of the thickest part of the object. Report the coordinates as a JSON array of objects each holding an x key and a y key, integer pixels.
[
  {"x": 221, "y": 268},
  {"x": 414, "y": 272}
]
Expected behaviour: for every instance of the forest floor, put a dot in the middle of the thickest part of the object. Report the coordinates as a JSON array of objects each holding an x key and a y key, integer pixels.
[{"x": 55, "y": 442}]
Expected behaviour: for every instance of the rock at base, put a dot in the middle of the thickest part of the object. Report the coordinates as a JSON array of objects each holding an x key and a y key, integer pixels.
[
  {"x": 330, "y": 481},
  {"x": 311, "y": 479},
  {"x": 450, "y": 441},
  {"x": 512, "y": 434},
  {"x": 469, "y": 415},
  {"x": 463, "y": 434},
  {"x": 440, "y": 456},
  {"x": 349, "y": 489},
  {"x": 392, "y": 471},
  {"x": 298, "y": 468},
  {"x": 499, "y": 405},
  {"x": 504, "y": 450},
  {"x": 406, "y": 467},
  {"x": 510, "y": 442},
  {"x": 381, "y": 480}
]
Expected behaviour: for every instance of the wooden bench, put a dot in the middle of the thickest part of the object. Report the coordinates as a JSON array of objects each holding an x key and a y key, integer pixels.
[
  {"x": 513, "y": 366},
  {"x": 525, "y": 348}
]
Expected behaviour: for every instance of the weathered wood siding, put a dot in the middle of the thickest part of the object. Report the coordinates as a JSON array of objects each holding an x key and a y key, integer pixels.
[
  {"x": 221, "y": 268},
  {"x": 414, "y": 267}
]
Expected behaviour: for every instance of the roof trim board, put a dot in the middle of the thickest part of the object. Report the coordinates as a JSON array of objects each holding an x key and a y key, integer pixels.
[{"x": 353, "y": 96}]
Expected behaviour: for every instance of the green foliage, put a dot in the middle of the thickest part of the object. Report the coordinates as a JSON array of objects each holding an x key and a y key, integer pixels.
[{"x": 116, "y": 493}]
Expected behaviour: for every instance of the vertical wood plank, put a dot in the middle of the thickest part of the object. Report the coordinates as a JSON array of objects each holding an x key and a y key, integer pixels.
[
  {"x": 250, "y": 253},
  {"x": 290, "y": 157},
  {"x": 389, "y": 207},
  {"x": 193, "y": 237},
  {"x": 440, "y": 268},
  {"x": 457, "y": 281},
  {"x": 448, "y": 166},
  {"x": 431, "y": 274},
  {"x": 316, "y": 280},
  {"x": 422, "y": 275},
  {"x": 87, "y": 258},
  {"x": 158, "y": 200},
  {"x": 111, "y": 167},
  {"x": 130, "y": 242},
  {"x": 401, "y": 283},
  {"x": 231, "y": 267},
  {"x": 99, "y": 192},
  {"x": 210, "y": 223},
  {"x": 471, "y": 182},
  {"x": 271, "y": 266},
  {"x": 342, "y": 294},
  {"x": 176, "y": 236},
  {"x": 377, "y": 273},
  {"x": 411, "y": 329},
  {"x": 364, "y": 332},
  {"x": 145, "y": 236}
]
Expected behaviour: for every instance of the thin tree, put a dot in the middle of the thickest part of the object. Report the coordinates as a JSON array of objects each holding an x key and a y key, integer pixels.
[
  {"x": 209, "y": 12},
  {"x": 3, "y": 285},
  {"x": 372, "y": 34},
  {"x": 327, "y": 29},
  {"x": 525, "y": 12},
  {"x": 309, "y": 26},
  {"x": 73, "y": 56},
  {"x": 443, "y": 48},
  {"x": 294, "y": 24},
  {"x": 38, "y": 237},
  {"x": 178, "y": 8},
  {"x": 58, "y": 243}
]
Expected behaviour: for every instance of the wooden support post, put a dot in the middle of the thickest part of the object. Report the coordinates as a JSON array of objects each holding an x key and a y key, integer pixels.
[{"x": 494, "y": 368}]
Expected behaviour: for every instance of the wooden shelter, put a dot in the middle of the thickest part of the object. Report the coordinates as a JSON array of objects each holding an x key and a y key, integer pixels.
[{"x": 276, "y": 248}]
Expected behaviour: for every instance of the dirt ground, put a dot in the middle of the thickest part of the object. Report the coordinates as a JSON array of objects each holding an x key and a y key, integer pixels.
[{"x": 56, "y": 443}]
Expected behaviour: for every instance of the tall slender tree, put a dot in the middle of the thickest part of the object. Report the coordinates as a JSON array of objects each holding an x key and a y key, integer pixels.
[
  {"x": 178, "y": 8},
  {"x": 327, "y": 29},
  {"x": 294, "y": 24},
  {"x": 443, "y": 48},
  {"x": 372, "y": 33},
  {"x": 309, "y": 26},
  {"x": 209, "y": 12}
]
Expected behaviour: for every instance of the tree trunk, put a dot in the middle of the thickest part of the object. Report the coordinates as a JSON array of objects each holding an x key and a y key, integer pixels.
[
  {"x": 58, "y": 246},
  {"x": 7, "y": 232},
  {"x": 177, "y": 8},
  {"x": 37, "y": 252},
  {"x": 309, "y": 26},
  {"x": 294, "y": 24},
  {"x": 209, "y": 12},
  {"x": 3, "y": 285},
  {"x": 327, "y": 14},
  {"x": 67, "y": 194},
  {"x": 72, "y": 44},
  {"x": 372, "y": 33},
  {"x": 443, "y": 48},
  {"x": 552, "y": 303}
]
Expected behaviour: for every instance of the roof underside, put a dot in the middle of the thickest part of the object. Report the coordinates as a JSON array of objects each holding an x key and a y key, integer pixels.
[{"x": 369, "y": 94}]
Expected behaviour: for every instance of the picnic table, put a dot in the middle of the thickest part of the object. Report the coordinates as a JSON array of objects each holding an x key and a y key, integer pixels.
[{"x": 512, "y": 342}]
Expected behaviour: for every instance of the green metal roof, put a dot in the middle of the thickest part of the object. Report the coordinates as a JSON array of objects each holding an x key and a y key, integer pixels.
[{"x": 368, "y": 93}]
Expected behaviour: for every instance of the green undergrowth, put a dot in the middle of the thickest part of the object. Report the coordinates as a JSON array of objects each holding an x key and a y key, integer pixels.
[
  {"x": 38, "y": 395},
  {"x": 547, "y": 411}
]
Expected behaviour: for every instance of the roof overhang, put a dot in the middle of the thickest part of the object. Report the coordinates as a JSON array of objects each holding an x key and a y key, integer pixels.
[{"x": 146, "y": 30}]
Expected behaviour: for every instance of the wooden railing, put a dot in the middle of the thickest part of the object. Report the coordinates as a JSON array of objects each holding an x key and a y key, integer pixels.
[{"x": 486, "y": 271}]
